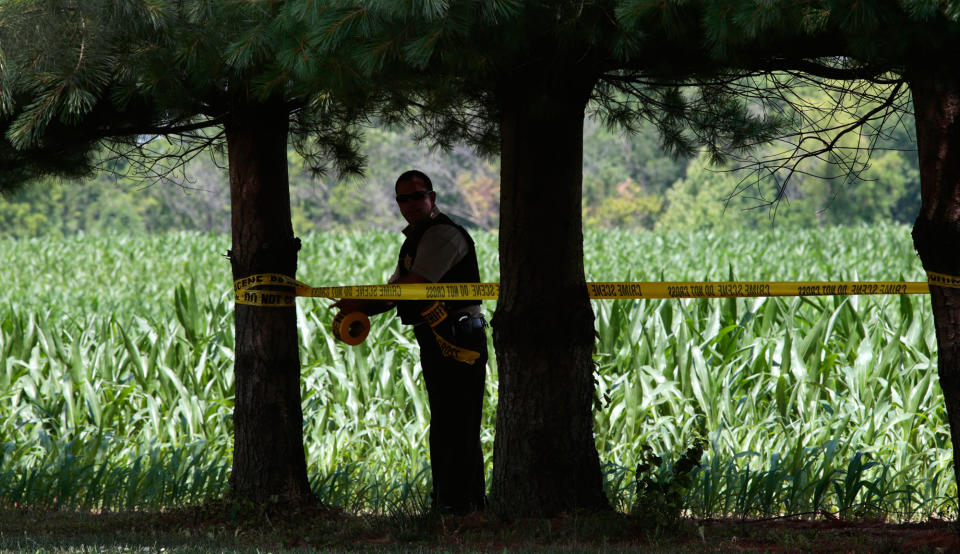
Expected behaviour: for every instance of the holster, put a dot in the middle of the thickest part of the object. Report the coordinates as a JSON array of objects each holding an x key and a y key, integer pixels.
[{"x": 445, "y": 331}]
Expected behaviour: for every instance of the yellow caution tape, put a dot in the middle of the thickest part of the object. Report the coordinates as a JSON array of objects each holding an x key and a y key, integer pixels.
[
  {"x": 941, "y": 280},
  {"x": 416, "y": 291},
  {"x": 351, "y": 328},
  {"x": 265, "y": 298},
  {"x": 746, "y": 289},
  {"x": 280, "y": 292},
  {"x": 450, "y": 350},
  {"x": 273, "y": 289},
  {"x": 281, "y": 289},
  {"x": 434, "y": 315}
]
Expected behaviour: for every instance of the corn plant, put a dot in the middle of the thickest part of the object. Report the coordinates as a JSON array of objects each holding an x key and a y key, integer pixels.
[{"x": 116, "y": 383}]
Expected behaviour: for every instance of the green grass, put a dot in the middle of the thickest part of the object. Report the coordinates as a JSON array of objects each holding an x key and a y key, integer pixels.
[{"x": 116, "y": 376}]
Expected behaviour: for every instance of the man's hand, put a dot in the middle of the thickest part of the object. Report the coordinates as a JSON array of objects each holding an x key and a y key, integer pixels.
[
  {"x": 374, "y": 307},
  {"x": 351, "y": 305},
  {"x": 369, "y": 307}
]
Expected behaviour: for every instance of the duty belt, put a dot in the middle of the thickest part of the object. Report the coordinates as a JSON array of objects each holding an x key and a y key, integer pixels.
[{"x": 434, "y": 315}]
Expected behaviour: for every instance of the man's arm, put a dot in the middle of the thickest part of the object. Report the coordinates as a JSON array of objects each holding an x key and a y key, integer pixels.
[
  {"x": 440, "y": 248},
  {"x": 374, "y": 307}
]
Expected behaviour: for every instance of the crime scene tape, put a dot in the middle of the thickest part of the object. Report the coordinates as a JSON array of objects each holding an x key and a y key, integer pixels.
[
  {"x": 941, "y": 280},
  {"x": 271, "y": 289},
  {"x": 434, "y": 315}
]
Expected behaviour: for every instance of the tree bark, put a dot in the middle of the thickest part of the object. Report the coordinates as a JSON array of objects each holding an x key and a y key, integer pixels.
[
  {"x": 545, "y": 460},
  {"x": 936, "y": 233},
  {"x": 268, "y": 458}
]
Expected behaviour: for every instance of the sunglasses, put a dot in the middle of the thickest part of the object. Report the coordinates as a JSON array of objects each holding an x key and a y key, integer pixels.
[{"x": 418, "y": 195}]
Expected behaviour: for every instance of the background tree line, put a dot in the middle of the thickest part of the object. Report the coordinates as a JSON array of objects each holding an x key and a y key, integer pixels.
[{"x": 628, "y": 180}]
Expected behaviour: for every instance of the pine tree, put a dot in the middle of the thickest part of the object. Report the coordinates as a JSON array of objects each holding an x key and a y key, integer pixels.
[
  {"x": 518, "y": 76},
  {"x": 197, "y": 75}
]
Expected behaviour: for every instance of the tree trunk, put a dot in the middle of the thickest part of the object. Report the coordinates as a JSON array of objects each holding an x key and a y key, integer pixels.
[
  {"x": 545, "y": 459},
  {"x": 268, "y": 458},
  {"x": 936, "y": 233}
]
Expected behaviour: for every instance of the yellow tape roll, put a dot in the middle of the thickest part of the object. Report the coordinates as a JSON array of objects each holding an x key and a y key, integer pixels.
[{"x": 351, "y": 328}]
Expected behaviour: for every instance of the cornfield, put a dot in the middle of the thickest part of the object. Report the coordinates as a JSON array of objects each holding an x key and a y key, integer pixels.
[{"x": 116, "y": 377}]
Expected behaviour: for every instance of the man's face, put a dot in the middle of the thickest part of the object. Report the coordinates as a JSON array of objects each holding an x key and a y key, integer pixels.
[{"x": 415, "y": 201}]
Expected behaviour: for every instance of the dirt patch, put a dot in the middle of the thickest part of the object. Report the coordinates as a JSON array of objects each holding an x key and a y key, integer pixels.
[
  {"x": 830, "y": 536},
  {"x": 222, "y": 526}
]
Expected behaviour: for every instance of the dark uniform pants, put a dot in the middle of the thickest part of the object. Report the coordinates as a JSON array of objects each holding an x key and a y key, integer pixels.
[{"x": 455, "y": 390}]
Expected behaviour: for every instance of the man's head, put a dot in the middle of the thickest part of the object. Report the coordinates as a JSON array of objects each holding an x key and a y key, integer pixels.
[{"x": 415, "y": 196}]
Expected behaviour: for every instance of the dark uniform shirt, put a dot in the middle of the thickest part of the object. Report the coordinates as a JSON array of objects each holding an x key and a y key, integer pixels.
[{"x": 440, "y": 251}]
